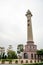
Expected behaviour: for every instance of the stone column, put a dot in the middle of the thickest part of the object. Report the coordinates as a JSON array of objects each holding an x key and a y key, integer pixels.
[{"x": 29, "y": 27}]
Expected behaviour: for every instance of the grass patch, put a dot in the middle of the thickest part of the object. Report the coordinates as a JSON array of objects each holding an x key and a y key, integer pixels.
[{"x": 34, "y": 64}]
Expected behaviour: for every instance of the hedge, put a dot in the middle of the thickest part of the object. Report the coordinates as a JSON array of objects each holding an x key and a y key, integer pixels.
[{"x": 34, "y": 64}]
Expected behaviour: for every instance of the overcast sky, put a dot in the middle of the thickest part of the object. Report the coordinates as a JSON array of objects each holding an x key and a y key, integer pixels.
[{"x": 13, "y": 22}]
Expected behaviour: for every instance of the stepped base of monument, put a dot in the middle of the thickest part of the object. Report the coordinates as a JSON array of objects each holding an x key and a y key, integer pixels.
[{"x": 30, "y": 42}]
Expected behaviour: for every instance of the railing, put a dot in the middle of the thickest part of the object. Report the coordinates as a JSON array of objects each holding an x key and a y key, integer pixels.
[{"x": 18, "y": 61}]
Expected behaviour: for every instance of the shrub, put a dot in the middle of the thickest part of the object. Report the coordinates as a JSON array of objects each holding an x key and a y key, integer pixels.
[
  {"x": 41, "y": 60},
  {"x": 21, "y": 61},
  {"x": 3, "y": 61},
  {"x": 35, "y": 61},
  {"x": 26, "y": 61},
  {"x": 7, "y": 59},
  {"x": 10, "y": 61},
  {"x": 30, "y": 61},
  {"x": 16, "y": 61}
]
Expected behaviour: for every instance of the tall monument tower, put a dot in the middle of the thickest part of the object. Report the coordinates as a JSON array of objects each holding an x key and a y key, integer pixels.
[
  {"x": 30, "y": 47},
  {"x": 29, "y": 26}
]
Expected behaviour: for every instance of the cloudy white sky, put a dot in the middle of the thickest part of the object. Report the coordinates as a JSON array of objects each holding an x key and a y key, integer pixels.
[{"x": 13, "y": 22}]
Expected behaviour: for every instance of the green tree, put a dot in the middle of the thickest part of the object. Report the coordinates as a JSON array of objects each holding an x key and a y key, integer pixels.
[
  {"x": 12, "y": 54},
  {"x": 19, "y": 49},
  {"x": 3, "y": 56},
  {"x": 0, "y": 56},
  {"x": 40, "y": 54}
]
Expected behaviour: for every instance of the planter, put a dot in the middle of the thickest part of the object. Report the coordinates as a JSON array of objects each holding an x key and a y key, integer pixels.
[
  {"x": 21, "y": 61},
  {"x": 16, "y": 61},
  {"x": 10, "y": 61},
  {"x": 30, "y": 61},
  {"x": 26, "y": 61},
  {"x": 3, "y": 61}
]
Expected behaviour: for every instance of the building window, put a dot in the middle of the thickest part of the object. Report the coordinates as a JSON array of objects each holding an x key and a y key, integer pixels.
[
  {"x": 25, "y": 56},
  {"x": 33, "y": 47},
  {"x": 30, "y": 47},
  {"x": 31, "y": 56},
  {"x": 35, "y": 56}
]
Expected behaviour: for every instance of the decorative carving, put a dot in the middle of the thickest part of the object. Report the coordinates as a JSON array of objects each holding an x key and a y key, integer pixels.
[{"x": 28, "y": 13}]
